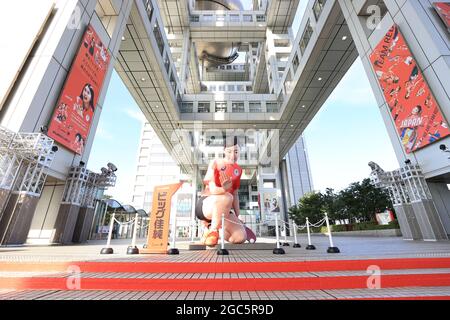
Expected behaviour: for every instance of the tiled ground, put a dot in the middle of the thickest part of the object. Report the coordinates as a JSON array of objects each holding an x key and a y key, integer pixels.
[{"x": 352, "y": 248}]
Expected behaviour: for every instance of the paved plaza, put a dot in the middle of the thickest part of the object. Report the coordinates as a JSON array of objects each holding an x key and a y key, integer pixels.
[{"x": 409, "y": 270}]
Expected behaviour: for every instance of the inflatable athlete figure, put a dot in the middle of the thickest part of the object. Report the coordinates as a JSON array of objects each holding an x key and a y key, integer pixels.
[{"x": 222, "y": 181}]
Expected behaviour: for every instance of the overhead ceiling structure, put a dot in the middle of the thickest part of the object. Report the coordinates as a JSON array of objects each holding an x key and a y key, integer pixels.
[{"x": 305, "y": 79}]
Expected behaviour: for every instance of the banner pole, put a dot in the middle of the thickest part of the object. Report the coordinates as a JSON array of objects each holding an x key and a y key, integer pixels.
[
  {"x": 222, "y": 251},
  {"x": 133, "y": 249},
  {"x": 294, "y": 229}
]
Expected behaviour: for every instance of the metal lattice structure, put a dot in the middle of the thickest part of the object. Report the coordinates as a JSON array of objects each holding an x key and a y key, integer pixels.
[
  {"x": 404, "y": 185},
  {"x": 24, "y": 161},
  {"x": 82, "y": 185}
]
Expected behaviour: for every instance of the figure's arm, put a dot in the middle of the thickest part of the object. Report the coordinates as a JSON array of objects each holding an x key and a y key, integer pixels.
[
  {"x": 209, "y": 179},
  {"x": 236, "y": 203}
]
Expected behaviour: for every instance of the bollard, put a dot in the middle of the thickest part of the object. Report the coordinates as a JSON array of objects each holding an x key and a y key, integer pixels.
[
  {"x": 222, "y": 251},
  {"x": 309, "y": 246},
  {"x": 277, "y": 250},
  {"x": 192, "y": 230},
  {"x": 294, "y": 227},
  {"x": 286, "y": 243},
  {"x": 133, "y": 249},
  {"x": 108, "y": 249},
  {"x": 174, "y": 250},
  {"x": 332, "y": 248}
]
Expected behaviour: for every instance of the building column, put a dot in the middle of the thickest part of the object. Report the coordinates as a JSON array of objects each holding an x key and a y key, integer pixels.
[{"x": 427, "y": 38}]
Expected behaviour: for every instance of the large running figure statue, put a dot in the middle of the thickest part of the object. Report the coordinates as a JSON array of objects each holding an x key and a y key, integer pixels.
[{"x": 222, "y": 181}]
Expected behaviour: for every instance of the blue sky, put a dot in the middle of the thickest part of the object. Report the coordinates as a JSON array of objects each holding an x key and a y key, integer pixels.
[{"x": 346, "y": 134}]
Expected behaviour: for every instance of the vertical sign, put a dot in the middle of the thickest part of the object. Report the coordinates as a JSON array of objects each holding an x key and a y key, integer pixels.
[
  {"x": 443, "y": 9},
  {"x": 416, "y": 113},
  {"x": 158, "y": 231},
  {"x": 74, "y": 113}
]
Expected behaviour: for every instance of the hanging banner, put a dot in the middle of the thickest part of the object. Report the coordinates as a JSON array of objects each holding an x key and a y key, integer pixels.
[
  {"x": 158, "y": 231},
  {"x": 416, "y": 113},
  {"x": 443, "y": 9},
  {"x": 74, "y": 113}
]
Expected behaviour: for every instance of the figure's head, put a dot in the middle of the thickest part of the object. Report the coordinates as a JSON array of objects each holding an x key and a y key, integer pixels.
[
  {"x": 417, "y": 110},
  {"x": 231, "y": 149},
  {"x": 87, "y": 95}
]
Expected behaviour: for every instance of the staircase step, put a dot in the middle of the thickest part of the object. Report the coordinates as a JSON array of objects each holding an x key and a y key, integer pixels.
[
  {"x": 249, "y": 284},
  {"x": 146, "y": 266}
]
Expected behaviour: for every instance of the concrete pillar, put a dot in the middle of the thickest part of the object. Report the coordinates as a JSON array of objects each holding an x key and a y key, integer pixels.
[
  {"x": 16, "y": 220},
  {"x": 83, "y": 225}
]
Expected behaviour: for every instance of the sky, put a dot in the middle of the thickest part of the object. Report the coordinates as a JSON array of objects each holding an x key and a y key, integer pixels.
[{"x": 346, "y": 134}]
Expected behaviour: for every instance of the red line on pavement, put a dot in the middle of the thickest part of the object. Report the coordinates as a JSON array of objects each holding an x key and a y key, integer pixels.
[
  {"x": 249, "y": 284},
  {"x": 228, "y": 267}
]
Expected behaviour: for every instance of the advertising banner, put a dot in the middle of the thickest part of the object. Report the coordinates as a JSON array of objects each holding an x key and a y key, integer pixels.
[
  {"x": 74, "y": 113},
  {"x": 158, "y": 231},
  {"x": 443, "y": 9},
  {"x": 271, "y": 206},
  {"x": 416, "y": 113}
]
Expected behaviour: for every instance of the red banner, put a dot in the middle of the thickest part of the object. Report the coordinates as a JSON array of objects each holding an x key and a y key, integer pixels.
[
  {"x": 443, "y": 9},
  {"x": 414, "y": 109},
  {"x": 74, "y": 113}
]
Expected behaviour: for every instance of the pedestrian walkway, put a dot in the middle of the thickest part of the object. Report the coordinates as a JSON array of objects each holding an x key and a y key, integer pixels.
[{"x": 408, "y": 270}]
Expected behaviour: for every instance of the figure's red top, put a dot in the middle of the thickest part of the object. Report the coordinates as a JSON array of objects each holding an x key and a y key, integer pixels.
[{"x": 232, "y": 170}]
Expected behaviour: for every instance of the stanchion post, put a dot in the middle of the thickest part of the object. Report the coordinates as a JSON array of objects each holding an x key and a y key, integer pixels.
[
  {"x": 173, "y": 249},
  {"x": 277, "y": 250},
  {"x": 309, "y": 246},
  {"x": 285, "y": 243},
  {"x": 332, "y": 248},
  {"x": 222, "y": 251},
  {"x": 108, "y": 249},
  {"x": 133, "y": 249},
  {"x": 294, "y": 230}
]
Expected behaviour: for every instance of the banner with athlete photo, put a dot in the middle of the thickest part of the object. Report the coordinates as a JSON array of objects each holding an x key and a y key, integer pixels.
[
  {"x": 416, "y": 113},
  {"x": 74, "y": 113},
  {"x": 443, "y": 9}
]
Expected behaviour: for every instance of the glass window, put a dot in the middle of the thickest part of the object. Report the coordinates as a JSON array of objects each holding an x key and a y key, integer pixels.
[
  {"x": 221, "y": 107},
  {"x": 187, "y": 107},
  {"x": 208, "y": 17},
  {"x": 295, "y": 63},
  {"x": 158, "y": 38},
  {"x": 238, "y": 107},
  {"x": 318, "y": 7},
  {"x": 254, "y": 188},
  {"x": 247, "y": 18},
  {"x": 234, "y": 18},
  {"x": 195, "y": 18},
  {"x": 255, "y": 106},
  {"x": 203, "y": 107},
  {"x": 220, "y": 17},
  {"x": 272, "y": 106},
  {"x": 148, "y": 8},
  {"x": 260, "y": 18},
  {"x": 306, "y": 37},
  {"x": 254, "y": 198}
]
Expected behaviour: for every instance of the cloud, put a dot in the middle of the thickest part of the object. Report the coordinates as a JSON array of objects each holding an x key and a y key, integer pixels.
[
  {"x": 135, "y": 114},
  {"x": 104, "y": 134}
]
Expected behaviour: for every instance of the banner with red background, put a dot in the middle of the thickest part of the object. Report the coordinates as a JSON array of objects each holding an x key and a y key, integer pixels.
[
  {"x": 443, "y": 9},
  {"x": 413, "y": 106},
  {"x": 74, "y": 113}
]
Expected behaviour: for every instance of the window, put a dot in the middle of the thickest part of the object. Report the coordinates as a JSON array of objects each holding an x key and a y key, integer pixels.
[
  {"x": 260, "y": 18},
  {"x": 158, "y": 37},
  {"x": 187, "y": 107},
  {"x": 148, "y": 196},
  {"x": 254, "y": 188},
  {"x": 238, "y": 107},
  {"x": 295, "y": 63},
  {"x": 255, "y": 107},
  {"x": 221, "y": 107},
  {"x": 254, "y": 198},
  {"x": 148, "y": 8},
  {"x": 208, "y": 17},
  {"x": 269, "y": 183},
  {"x": 203, "y": 107},
  {"x": 306, "y": 37},
  {"x": 272, "y": 107},
  {"x": 247, "y": 18},
  {"x": 318, "y": 7},
  {"x": 234, "y": 18},
  {"x": 195, "y": 18},
  {"x": 220, "y": 17}
]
